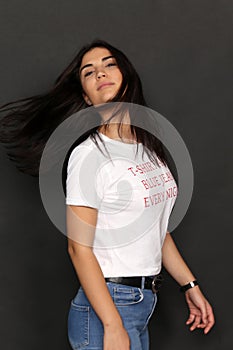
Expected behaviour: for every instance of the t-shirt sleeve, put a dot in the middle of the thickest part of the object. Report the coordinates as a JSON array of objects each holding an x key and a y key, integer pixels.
[{"x": 84, "y": 185}]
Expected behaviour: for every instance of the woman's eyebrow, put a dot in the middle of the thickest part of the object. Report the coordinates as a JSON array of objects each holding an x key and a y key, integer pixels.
[{"x": 90, "y": 64}]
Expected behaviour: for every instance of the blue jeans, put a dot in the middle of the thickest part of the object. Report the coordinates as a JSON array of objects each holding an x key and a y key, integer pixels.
[{"x": 135, "y": 305}]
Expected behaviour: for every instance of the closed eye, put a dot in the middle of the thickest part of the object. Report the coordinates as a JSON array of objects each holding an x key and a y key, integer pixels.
[
  {"x": 111, "y": 64},
  {"x": 87, "y": 74}
]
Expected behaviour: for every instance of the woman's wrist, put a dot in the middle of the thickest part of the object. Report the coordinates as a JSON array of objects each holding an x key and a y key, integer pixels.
[
  {"x": 184, "y": 288},
  {"x": 114, "y": 323}
]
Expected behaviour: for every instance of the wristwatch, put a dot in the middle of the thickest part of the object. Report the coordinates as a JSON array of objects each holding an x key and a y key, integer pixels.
[{"x": 188, "y": 286}]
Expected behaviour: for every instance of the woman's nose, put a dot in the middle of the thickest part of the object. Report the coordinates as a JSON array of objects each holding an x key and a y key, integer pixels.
[{"x": 100, "y": 74}]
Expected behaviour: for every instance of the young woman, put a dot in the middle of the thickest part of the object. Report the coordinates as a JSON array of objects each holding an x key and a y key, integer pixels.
[{"x": 105, "y": 194}]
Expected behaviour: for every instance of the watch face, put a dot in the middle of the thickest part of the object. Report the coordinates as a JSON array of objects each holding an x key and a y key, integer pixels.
[{"x": 188, "y": 286}]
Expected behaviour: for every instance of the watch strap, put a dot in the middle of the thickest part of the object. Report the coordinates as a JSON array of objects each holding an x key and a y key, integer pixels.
[{"x": 188, "y": 286}]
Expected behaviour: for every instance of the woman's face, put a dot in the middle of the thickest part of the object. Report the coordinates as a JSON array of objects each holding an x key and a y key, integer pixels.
[{"x": 100, "y": 76}]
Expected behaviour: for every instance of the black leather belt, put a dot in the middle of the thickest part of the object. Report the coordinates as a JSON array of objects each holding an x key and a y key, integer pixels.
[{"x": 152, "y": 283}]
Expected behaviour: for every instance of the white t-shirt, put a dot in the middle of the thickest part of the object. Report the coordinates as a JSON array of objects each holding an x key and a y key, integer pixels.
[{"x": 134, "y": 198}]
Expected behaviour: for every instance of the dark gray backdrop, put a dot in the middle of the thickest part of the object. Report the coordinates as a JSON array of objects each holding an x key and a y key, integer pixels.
[{"x": 183, "y": 53}]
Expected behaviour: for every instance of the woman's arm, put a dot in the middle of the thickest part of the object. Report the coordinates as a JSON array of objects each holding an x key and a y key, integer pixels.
[
  {"x": 201, "y": 314},
  {"x": 174, "y": 263},
  {"x": 91, "y": 277}
]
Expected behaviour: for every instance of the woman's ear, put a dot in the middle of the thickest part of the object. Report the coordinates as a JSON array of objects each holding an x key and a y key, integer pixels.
[{"x": 87, "y": 100}]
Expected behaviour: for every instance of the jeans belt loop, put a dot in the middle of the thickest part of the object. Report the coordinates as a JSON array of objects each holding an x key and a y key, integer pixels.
[{"x": 143, "y": 283}]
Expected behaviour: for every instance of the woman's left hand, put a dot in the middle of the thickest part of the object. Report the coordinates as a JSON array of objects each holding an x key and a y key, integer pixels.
[{"x": 201, "y": 313}]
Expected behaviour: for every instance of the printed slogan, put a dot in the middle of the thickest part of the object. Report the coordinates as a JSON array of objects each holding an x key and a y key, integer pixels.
[{"x": 157, "y": 182}]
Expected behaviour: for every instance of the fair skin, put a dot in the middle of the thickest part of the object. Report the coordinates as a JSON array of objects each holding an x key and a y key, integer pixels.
[
  {"x": 97, "y": 69},
  {"x": 100, "y": 76},
  {"x": 101, "y": 79},
  {"x": 86, "y": 264},
  {"x": 200, "y": 312}
]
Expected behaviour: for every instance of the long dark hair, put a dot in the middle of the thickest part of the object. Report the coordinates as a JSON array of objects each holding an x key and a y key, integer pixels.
[{"x": 29, "y": 122}]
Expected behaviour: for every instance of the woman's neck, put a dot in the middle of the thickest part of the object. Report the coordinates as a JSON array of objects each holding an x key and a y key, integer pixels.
[{"x": 116, "y": 132}]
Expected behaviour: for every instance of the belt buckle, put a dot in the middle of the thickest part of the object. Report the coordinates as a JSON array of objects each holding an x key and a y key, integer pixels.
[{"x": 157, "y": 282}]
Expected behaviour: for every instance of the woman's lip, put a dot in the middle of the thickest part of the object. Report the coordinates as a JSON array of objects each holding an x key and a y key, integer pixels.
[{"x": 104, "y": 84}]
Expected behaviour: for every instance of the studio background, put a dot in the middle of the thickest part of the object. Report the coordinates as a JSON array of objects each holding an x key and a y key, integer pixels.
[{"x": 183, "y": 53}]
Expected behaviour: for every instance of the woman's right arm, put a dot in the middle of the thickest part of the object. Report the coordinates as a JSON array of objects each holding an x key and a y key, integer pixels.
[{"x": 91, "y": 277}]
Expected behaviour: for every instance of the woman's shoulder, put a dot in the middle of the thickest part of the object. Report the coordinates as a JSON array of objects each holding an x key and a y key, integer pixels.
[{"x": 85, "y": 148}]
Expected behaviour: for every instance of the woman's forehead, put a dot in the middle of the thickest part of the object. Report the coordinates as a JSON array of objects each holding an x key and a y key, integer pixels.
[{"x": 94, "y": 54}]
